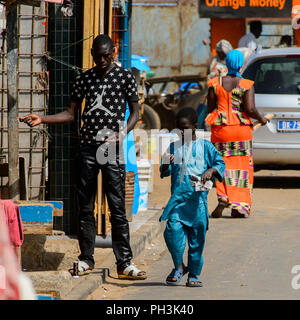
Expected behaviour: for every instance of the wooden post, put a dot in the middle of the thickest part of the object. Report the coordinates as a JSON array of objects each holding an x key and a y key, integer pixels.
[
  {"x": 12, "y": 101},
  {"x": 110, "y": 9},
  {"x": 93, "y": 25}
]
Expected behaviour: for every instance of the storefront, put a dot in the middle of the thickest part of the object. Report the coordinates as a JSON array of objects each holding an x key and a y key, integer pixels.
[{"x": 230, "y": 19}]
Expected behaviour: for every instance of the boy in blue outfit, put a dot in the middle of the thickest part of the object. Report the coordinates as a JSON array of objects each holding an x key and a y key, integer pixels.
[{"x": 187, "y": 214}]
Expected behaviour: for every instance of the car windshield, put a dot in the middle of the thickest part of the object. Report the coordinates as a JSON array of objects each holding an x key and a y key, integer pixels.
[{"x": 276, "y": 75}]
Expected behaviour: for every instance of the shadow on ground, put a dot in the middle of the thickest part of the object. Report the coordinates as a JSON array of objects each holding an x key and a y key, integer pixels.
[
  {"x": 267, "y": 182},
  {"x": 133, "y": 283}
]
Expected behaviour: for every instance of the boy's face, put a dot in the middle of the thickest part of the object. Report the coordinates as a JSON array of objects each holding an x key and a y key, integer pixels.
[{"x": 185, "y": 126}]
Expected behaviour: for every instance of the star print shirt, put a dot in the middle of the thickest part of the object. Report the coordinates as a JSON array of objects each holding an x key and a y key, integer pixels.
[{"x": 106, "y": 98}]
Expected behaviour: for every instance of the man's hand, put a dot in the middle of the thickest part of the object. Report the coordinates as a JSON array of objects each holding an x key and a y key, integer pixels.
[
  {"x": 31, "y": 120},
  {"x": 116, "y": 137},
  {"x": 207, "y": 175}
]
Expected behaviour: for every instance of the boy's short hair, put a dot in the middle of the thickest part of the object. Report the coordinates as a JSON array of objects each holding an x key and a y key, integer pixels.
[{"x": 188, "y": 113}]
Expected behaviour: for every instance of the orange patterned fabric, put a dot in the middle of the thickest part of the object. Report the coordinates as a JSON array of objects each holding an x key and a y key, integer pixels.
[
  {"x": 229, "y": 110},
  {"x": 231, "y": 133}
]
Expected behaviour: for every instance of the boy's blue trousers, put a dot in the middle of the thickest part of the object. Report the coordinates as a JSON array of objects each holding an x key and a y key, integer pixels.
[{"x": 176, "y": 235}]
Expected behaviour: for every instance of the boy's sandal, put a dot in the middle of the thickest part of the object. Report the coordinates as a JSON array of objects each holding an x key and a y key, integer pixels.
[
  {"x": 83, "y": 268},
  {"x": 176, "y": 274},
  {"x": 132, "y": 273},
  {"x": 193, "y": 281}
]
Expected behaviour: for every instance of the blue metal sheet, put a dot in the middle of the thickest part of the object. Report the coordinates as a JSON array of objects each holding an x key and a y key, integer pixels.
[
  {"x": 36, "y": 213},
  {"x": 57, "y": 205}
]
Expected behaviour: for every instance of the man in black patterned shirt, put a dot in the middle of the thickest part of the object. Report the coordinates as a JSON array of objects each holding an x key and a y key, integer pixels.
[{"x": 106, "y": 88}]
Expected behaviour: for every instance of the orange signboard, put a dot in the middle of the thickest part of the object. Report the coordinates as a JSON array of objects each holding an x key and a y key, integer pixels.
[{"x": 245, "y": 8}]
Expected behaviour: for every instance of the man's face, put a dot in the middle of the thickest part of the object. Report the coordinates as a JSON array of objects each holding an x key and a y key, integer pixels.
[
  {"x": 257, "y": 32},
  {"x": 103, "y": 56}
]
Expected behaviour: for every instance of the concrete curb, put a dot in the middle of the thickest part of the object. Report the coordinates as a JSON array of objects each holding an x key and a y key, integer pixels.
[{"x": 138, "y": 240}]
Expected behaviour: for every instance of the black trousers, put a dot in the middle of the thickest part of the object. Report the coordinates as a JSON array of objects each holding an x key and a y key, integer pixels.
[{"x": 113, "y": 174}]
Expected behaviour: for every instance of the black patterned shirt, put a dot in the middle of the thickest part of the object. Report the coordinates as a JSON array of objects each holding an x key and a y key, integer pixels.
[{"x": 106, "y": 98}]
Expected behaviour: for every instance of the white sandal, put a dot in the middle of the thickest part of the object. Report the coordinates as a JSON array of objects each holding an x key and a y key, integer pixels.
[
  {"x": 132, "y": 273},
  {"x": 83, "y": 268}
]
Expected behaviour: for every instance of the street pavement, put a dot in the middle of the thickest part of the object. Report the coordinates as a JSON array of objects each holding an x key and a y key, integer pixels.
[
  {"x": 243, "y": 259},
  {"x": 248, "y": 258}
]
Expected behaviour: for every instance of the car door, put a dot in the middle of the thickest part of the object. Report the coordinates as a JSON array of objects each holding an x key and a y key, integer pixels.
[{"x": 277, "y": 91}]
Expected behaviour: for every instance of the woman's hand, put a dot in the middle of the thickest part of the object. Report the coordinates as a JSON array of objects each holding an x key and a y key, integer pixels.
[{"x": 264, "y": 120}]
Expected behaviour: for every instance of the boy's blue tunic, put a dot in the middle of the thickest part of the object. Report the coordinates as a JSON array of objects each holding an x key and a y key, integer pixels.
[{"x": 186, "y": 205}]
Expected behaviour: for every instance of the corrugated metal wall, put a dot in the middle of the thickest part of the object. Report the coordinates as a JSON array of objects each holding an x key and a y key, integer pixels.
[{"x": 171, "y": 35}]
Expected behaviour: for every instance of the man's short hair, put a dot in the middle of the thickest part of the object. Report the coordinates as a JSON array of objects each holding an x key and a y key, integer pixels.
[
  {"x": 255, "y": 25},
  {"x": 286, "y": 39},
  {"x": 103, "y": 39}
]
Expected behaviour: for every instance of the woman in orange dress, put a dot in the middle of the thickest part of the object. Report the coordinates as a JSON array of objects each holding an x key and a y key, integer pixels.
[{"x": 231, "y": 103}]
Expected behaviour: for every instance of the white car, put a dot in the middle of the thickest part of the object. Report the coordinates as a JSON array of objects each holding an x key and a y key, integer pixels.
[{"x": 276, "y": 73}]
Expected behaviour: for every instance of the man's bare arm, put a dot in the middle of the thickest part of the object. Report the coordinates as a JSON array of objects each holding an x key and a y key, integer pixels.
[
  {"x": 62, "y": 117},
  {"x": 134, "y": 109}
]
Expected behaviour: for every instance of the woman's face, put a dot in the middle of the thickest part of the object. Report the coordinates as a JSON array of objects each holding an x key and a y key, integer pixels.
[{"x": 221, "y": 55}]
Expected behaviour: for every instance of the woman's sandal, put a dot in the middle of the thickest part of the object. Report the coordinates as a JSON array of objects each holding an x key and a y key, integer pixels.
[
  {"x": 236, "y": 214},
  {"x": 193, "y": 281},
  {"x": 176, "y": 274},
  {"x": 132, "y": 273}
]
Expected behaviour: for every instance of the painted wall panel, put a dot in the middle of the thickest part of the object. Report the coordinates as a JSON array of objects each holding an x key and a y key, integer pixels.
[
  {"x": 172, "y": 37},
  {"x": 156, "y": 34}
]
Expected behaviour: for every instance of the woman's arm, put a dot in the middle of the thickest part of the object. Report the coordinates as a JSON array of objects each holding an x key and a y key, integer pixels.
[
  {"x": 250, "y": 109},
  {"x": 211, "y": 100}
]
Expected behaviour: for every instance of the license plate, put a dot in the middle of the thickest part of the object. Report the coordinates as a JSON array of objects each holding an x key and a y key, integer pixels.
[{"x": 288, "y": 125}]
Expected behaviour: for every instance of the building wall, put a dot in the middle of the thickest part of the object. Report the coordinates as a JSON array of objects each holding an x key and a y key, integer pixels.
[
  {"x": 32, "y": 98},
  {"x": 272, "y": 30},
  {"x": 171, "y": 34},
  {"x": 296, "y": 4}
]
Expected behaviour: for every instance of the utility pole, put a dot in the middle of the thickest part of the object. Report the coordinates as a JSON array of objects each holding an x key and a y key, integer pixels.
[{"x": 12, "y": 101}]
